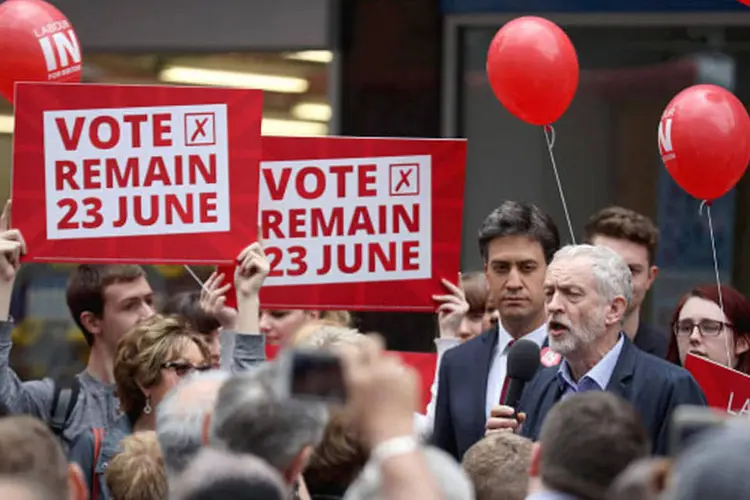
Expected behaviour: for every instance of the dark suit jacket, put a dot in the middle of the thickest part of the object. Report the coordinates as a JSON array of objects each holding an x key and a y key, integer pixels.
[
  {"x": 654, "y": 386},
  {"x": 651, "y": 340},
  {"x": 460, "y": 410}
]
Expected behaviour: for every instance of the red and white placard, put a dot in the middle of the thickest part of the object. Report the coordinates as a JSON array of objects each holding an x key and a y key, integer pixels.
[
  {"x": 360, "y": 223},
  {"x": 725, "y": 389},
  {"x": 130, "y": 173}
]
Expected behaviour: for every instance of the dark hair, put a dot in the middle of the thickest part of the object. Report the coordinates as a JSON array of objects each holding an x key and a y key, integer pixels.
[
  {"x": 624, "y": 224},
  {"x": 587, "y": 440},
  {"x": 187, "y": 305},
  {"x": 85, "y": 289},
  {"x": 237, "y": 488},
  {"x": 736, "y": 309},
  {"x": 513, "y": 218}
]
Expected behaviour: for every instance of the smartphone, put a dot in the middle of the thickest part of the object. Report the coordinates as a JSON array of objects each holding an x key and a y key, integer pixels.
[
  {"x": 311, "y": 375},
  {"x": 689, "y": 422}
]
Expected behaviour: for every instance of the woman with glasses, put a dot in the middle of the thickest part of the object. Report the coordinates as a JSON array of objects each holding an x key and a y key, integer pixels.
[
  {"x": 700, "y": 327},
  {"x": 151, "y": 359}
]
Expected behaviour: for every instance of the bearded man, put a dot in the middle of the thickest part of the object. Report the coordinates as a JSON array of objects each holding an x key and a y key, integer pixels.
[{"x": 587, "y": 291}]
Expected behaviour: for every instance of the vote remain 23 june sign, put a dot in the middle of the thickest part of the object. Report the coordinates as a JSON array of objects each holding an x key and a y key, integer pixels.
[
  {"x": 359, "y": 223},
  {"x": 129, "y": 173}
]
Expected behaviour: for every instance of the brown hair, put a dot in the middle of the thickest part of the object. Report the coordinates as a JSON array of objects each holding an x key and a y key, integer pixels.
[
  {"x": 498, "y": 465},
  {"x": 137, "y": 472},
  {"x": 474, "y": 284},
  {"x": 188, "y": 305},
  {"x": 736, "y": 309},
  {"x": 33, "y": 452},
  {"x": 339, "y": 457},
  {"x": 85, "y": 289},
  {"x": 587, "y": 440},
  {"x": 141, "y": 353},
  {"x": 624, "y": 224}
]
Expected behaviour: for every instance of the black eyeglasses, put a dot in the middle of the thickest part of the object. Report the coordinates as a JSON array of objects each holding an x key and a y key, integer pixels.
[
  {"x": 706, "y": 328},
  {"x": 182, "y": 368}
]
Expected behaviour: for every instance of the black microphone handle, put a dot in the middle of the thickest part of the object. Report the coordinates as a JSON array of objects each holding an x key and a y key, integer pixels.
[{"x": 513, "y": 394}]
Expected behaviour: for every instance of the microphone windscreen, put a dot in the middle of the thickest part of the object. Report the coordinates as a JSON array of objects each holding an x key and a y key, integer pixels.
[{"x": 523, "y": 360}]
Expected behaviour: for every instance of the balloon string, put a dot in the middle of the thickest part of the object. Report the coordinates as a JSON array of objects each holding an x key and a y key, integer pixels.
[
  {"x": 717, "y": 276},
  {"x": 549, "y": 136},
  {"x": 195, "y": 276}
]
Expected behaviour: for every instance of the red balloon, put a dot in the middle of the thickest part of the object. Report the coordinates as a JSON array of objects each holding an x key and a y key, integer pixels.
[
  {"x": 533, "y": 69},
  {"x": 37, "y": 44},
  {"x": 704, "y": 140}
]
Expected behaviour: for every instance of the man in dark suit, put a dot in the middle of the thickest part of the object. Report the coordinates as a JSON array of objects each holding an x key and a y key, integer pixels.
[
  {"x": 587, "y": 291},
  {"x": 516, "y": 242},
  {"x": 635, "y": 238}
]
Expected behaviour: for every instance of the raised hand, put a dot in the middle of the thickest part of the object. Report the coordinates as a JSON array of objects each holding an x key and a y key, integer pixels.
[
  {"x": 452, "y": 309},
  {"x": 251, "y": 272},
  {"x": 213, "y": 301},
  {"x": 12, "y": 246}
]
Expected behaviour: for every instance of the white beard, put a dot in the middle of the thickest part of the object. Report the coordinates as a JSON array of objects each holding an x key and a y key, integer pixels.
[{"x": 577, "y": 338}]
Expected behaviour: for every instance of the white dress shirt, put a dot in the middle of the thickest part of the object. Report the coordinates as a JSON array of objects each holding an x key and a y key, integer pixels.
[{"x": 498, "y": 366}]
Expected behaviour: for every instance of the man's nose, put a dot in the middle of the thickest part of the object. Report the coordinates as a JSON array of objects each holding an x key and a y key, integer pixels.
[
  {"x": 514, "y": 280},
  {"x": 147, "y": 310},
  {"x": 554, "y": 305}
]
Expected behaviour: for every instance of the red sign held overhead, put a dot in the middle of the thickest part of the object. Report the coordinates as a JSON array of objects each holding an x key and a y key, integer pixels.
[
  {"x": 725, "y": 389},
  {"x": 360, "y": 223},
  {"x": 112, "y": 173}
]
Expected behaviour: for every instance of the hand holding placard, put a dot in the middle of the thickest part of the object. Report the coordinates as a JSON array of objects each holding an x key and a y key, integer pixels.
[
  {"x": 252, "y": 271},
  {"x": 213, "y": 300}
]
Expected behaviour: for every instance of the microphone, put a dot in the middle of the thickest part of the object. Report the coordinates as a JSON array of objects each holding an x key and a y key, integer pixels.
[{"x": 522, "y": 364}]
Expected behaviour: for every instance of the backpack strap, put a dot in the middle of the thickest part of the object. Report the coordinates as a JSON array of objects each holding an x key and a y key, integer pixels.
[
  {"x": 64, "y": 399},
  {"x": 98, "y": 439}
]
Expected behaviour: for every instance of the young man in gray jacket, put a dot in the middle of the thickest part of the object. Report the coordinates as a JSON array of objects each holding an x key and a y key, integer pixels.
[{"x": 105, "y": 301}]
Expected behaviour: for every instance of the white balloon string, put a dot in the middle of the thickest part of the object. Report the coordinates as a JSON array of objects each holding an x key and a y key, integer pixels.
[
  {"x": 717, "y": 276},
  {"x": 549, "y": 136},
  {"x": 195, "y": 276}
]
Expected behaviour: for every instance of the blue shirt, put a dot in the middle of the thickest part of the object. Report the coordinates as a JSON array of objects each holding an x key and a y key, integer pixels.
[{"x": 597, "y": 378}]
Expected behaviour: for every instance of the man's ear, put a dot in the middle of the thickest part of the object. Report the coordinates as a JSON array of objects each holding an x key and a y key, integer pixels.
[
  {"x": 616, "y": 311},
  {"x": 77, "y": 489},
  {"x": 653, "y": 272},
  {"x": 298, "y": 465},
  {"x": 91, "y": 323},
  {"x": 536, "y": 460}
]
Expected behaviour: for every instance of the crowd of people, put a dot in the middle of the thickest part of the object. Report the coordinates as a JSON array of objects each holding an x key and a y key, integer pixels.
[{"x": 182, "y": 403}]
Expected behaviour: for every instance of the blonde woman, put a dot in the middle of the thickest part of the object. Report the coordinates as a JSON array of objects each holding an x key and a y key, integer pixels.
[{"x": 151, "y": 359}]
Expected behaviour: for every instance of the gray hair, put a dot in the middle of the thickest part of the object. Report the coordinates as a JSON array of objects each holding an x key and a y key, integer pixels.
[
  {"x": 181, "y": 415},
  {"x": 611, "y": 274},
  {"x": 452, "y": 482},
  {"x": 714, "y": 465},
  {"x": 250, "y": 417},
  {"x": 221, "y": 474}
]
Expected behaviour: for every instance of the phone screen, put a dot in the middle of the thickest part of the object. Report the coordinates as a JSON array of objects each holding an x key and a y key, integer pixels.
[{"x": 317, "y": 376}]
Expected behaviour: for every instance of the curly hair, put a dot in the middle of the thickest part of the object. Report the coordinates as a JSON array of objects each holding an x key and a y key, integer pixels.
[{"x": 142, "y": 352}]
